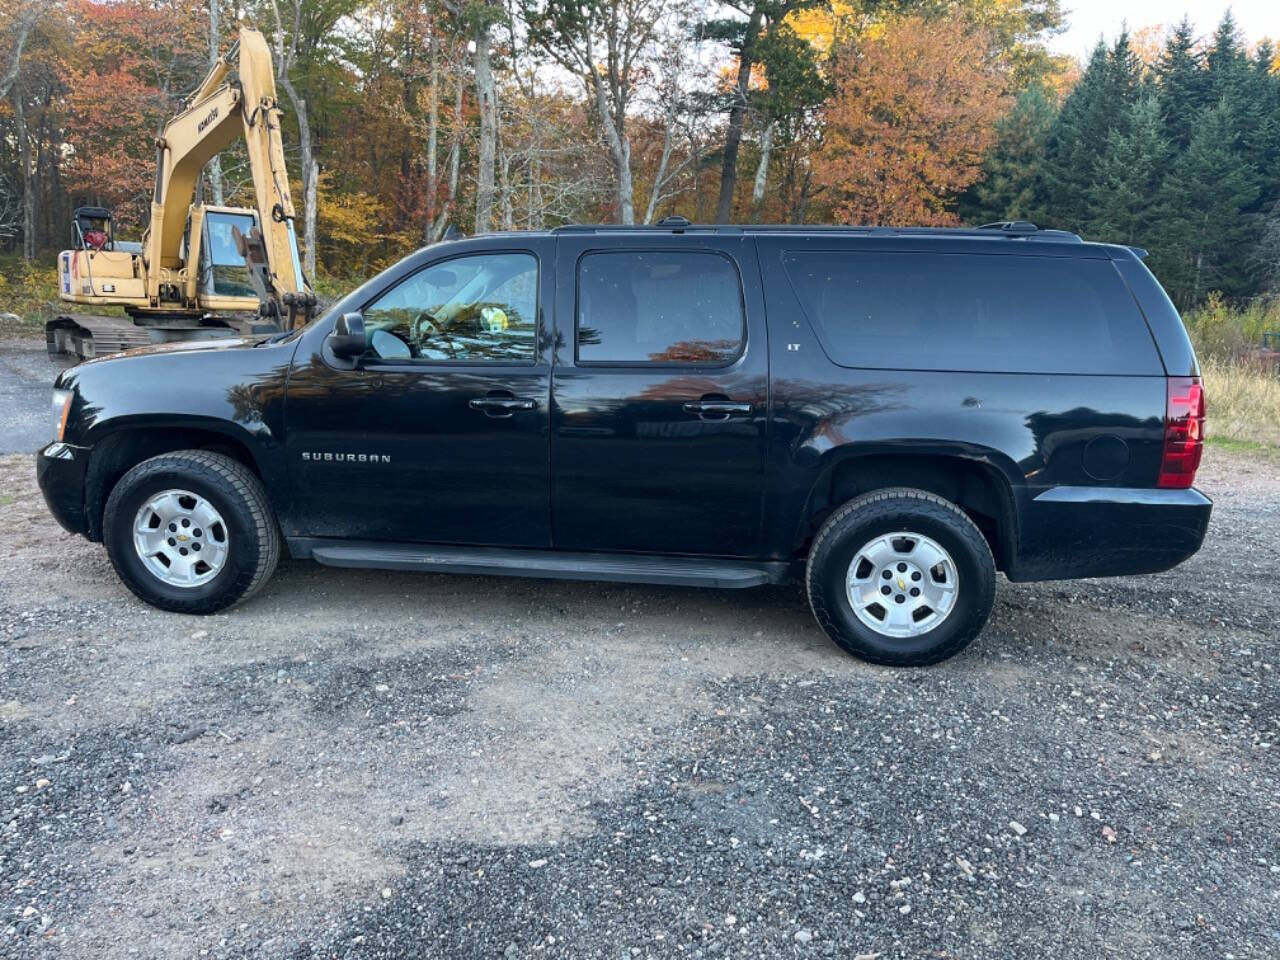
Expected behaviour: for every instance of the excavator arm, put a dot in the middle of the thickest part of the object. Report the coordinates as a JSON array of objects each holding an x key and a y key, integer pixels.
[{"x": 221, "y": 110}]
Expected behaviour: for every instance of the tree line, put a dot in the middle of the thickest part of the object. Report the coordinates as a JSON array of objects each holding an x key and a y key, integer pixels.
[
  {"x": 406, "y": 117},
  {"x": 1178, "y": 153}
]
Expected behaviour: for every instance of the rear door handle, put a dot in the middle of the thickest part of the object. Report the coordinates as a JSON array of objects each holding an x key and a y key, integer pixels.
[
  {"x": 723, "y": 408},
  {"x": 502, "y": 406}
]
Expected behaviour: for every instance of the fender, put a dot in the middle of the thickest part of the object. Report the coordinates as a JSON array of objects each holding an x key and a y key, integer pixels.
[
  {"x": 173, "y": 396},
  {"x": 999, "y": 471}
]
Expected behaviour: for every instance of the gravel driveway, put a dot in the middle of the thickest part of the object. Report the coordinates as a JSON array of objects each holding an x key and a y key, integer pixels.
[
  {"x": 26, "y": 378},
  {"x": 363, "y": 765}
]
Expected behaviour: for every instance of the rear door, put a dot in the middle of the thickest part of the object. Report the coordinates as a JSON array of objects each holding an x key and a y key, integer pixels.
[{"x": 660, "y": 394}]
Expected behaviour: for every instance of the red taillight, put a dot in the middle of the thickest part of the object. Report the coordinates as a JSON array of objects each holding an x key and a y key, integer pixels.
[{"x": 1183, "y": 432}]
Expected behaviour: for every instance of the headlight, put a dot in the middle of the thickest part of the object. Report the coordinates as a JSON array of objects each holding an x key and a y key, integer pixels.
[{"x": 61, "y": 407}]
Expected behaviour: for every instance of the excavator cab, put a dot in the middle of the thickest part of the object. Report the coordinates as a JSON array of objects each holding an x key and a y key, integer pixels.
[
  {"x": 223, "y": 272},
  {"x": 91, "y": 229}
]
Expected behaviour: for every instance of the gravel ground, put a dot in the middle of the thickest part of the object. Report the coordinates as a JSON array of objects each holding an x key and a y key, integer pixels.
[
  {"x": 26, "y": 372},
  {"x": 376, "y": 765}
]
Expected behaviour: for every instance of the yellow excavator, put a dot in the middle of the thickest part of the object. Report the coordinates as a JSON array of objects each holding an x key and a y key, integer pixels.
[{"x": 200, "y": 272}]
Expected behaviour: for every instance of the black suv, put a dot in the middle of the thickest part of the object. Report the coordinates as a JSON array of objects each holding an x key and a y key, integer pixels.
[{"x": 891, "y": 414}]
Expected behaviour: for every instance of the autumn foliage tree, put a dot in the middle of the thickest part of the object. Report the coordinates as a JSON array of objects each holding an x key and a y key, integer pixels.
[{"x": 914, "y": 110}]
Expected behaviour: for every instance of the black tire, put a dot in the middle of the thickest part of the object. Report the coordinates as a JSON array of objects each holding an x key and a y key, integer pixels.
[
  {"x": 253, "y": 540},
  {"x": 858, "y": 522}
]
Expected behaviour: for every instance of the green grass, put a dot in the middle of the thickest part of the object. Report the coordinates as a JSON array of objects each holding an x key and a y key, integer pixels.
[
  {"x": 1243, "y": 446},
  {"x": 30, "y": 292}
]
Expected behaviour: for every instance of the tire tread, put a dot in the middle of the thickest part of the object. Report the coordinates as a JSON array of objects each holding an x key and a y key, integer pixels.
[
  {"x": 869, "y": 505},
  {"x": 219, "y": 470}
]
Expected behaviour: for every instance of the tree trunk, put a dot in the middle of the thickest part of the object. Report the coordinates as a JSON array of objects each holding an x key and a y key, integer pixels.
[
  {"x": 802, "y": 203},
  {"x": 28, "y": 175},
  {"x": 762, "y": 172},
  {"x": 619, "y": 149},
  {"x": 215, "y": 42},
  {"x": 455, "y": 154},
  {"x": 622, "y": 163},
  {"x": 737, "y": 115},
  {"x": 310, "y": 175},
  {"x": 656, "y": 193},
  {"x": 486, "y": 97},
  {"x": 23, "y": 30},
  {"x": 433, "y": 140},
  {"x": 504, "y": 185},
  {"x": 311, "y": 187}
]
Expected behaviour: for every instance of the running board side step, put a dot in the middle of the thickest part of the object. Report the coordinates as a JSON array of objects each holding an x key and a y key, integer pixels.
[{"x": 555, "y": 564}]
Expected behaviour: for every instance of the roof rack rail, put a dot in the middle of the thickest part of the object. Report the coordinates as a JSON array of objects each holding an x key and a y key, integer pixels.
[
  {"x": 1006, "y": 229},
  {"x": 1011, "y": 226}
]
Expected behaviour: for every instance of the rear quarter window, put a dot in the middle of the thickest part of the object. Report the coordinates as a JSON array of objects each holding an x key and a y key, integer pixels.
[{"x": 957, "y": 311}]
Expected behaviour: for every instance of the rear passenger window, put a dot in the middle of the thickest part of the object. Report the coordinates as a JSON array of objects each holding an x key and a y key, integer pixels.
[
  {"x": 679, "y": 308},
  {"x": 995, "y": 313}
]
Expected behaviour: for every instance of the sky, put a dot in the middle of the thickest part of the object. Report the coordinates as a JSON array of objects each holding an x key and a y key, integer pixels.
[{"x": 1087, "y": 19}]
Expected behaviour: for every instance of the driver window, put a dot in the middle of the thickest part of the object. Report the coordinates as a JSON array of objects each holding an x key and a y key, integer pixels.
[{"x": 476, "y": 308}]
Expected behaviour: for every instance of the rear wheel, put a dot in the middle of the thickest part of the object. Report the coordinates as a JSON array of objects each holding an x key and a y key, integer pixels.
[
  {"x": 901, "y": 577},
  {"x": 191, "y": 531}
]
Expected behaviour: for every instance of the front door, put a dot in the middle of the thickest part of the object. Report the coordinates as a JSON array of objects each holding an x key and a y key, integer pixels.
[
  {"x": 660, "y": 395},
  {"x": 439, "y": 433}
]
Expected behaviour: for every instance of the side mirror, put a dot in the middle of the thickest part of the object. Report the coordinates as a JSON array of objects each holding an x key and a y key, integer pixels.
[{"x": 348, "y": 338}]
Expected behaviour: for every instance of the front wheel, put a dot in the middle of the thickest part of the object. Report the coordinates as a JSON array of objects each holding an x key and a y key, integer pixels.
[
  {"x": 191, "y": 531},
  {"x": 901, "y": 577}
]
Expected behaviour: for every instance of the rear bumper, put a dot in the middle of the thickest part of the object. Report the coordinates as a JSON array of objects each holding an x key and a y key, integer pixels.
[
  {"x": 1070, "y": 532},
  {"x": 60, "y": 471}
]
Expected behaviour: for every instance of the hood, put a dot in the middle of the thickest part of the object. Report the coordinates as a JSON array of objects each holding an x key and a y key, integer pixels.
[
  {"x": 219, "y": 352},
  {"x": 182, "y": 346}
]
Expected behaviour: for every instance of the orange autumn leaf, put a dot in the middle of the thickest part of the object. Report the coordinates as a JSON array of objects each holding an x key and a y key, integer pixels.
[{"x": 914, "y": 111}]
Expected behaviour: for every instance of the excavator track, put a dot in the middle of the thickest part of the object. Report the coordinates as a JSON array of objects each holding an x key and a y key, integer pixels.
[{"x": 85, "y": 336}]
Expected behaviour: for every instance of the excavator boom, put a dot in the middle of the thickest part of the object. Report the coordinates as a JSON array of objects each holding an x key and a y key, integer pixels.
[{"x": 216, "y": 114}]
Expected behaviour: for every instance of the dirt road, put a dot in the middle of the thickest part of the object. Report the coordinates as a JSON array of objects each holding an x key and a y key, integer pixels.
[{"x": 380, "y": 765}]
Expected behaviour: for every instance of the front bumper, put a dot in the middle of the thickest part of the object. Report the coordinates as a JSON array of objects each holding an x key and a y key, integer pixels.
[
  {"x": 60, "y": 471},
  {"x": 1070, "y": 532}
]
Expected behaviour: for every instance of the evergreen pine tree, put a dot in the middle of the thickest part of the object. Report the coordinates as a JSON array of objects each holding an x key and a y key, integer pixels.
[
  {"x": 1098, "y": 104},
  {"x": 1007, "y": 190},
  {"x": 1262, "y": 141},
  {"x": 1227, "y": 61},
  {"x": 1182, "y": 85},
  {"x": 1205, "y": 239},
  {"x": 1128, "y": 178}
]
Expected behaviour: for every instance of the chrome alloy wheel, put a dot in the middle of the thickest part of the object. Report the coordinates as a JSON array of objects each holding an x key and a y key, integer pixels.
[
  {"x": 902, "y": 584},
  {"x": 180, "y": 538}
]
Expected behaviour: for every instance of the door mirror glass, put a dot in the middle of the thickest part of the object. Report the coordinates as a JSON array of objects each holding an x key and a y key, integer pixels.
[{"x": 348, "y": 338}]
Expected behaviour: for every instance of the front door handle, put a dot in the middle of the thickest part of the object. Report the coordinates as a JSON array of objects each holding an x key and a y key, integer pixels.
[
  {"x": 502, "y": 406},
  {"x": 717, "y": 408}
]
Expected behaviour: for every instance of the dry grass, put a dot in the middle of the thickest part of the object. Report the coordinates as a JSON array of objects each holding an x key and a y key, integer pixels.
[
  {"x": 1243, "y": 393},
  {"x": 1244, "y": 402}
]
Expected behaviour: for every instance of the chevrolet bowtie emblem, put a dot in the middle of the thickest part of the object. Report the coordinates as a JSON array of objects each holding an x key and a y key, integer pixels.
[{"x": 901, "y": 585}]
